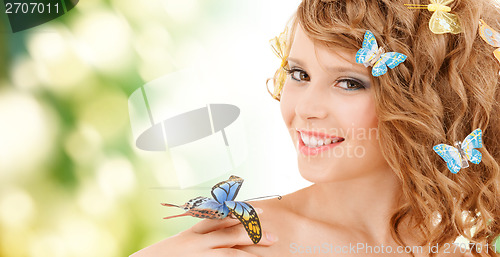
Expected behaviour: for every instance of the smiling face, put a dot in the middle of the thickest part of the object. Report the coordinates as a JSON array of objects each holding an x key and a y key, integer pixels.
[{"x": 328, "y": 100}]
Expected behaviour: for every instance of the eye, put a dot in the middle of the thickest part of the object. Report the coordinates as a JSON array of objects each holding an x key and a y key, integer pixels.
[
  {"x": 298, "y": 74},
  {"x": 350, "y": 84}
]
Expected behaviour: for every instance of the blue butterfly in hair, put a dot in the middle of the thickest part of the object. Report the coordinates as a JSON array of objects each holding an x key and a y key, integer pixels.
[
  {"x": 222, "y": 205},
  {"x": 456, "y": 157},
  {"x": 371, "y": 55}
]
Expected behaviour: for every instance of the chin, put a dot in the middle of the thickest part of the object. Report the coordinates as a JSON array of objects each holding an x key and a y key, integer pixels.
[{"x": 322, "y": 174}]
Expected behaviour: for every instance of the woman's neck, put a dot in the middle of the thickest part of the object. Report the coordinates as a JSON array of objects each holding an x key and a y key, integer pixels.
[{"x": 363, "y": 204}]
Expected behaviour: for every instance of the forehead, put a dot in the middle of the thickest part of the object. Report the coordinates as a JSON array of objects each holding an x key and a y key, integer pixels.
[{"x": 304, "y": 49}]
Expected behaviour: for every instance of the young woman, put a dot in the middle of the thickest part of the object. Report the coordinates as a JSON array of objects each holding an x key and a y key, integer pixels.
[{"x": 366, "y": 142}]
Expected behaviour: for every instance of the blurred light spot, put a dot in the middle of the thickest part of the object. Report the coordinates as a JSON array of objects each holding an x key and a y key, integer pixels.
[
  {"x": 182, "y": 11},
  {"x": 92, "y": 200},
  {"x": 84, "y": 238},
  {"x": 116, "y": 177},
  {"x": 462, "y": 241},
  {"x": 107, "y": 113},
  {"x": 23, "y": 73},
  {"x": 27, "y": 133},
  {"x": 139, "y": 10},
  {"x": 13, "y": 242},
  {"x": 159, "y": 164},
  {"x": 16, "y": 207},
  {"x": 103, "y": 40},
  {"x": 83, "y": 144},
  {"x": 47, "y": 245},
  {"x": 56, "y": 61},
  {"x": 190, "y": 52},
  {"x": 154, "y": 44}
]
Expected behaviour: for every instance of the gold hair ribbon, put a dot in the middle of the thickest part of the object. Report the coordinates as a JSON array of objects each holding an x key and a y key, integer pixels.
[
  {"x": 491, "y": 37},
  {"x": 442, "y": 21}
]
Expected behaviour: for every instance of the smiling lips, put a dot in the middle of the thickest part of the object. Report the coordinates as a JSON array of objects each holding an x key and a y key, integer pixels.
[{"x": 313, "y": 142}]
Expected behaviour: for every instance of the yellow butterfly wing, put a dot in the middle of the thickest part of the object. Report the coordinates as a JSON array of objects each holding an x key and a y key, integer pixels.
[
  {"x": 443, "y": 22},
  {"x": 247, "y": 215},
  {"x": 489, "y": 35},
  {"x": 497, "y": 54},
  {"x": 279, "y": 46}
]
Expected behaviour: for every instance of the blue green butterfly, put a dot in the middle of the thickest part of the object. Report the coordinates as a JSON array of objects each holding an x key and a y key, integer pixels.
[
  {"x": 456, "y": 157},
  {"x": 371, "y": 55},
  {"x": 221, "y": 205}
]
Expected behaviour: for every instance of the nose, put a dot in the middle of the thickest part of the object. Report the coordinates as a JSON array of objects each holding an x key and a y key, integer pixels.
[{"x": 312, "y": 103}]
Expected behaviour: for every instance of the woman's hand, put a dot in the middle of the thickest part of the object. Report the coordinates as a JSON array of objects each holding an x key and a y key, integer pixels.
[{"x": 207, "y": 238}]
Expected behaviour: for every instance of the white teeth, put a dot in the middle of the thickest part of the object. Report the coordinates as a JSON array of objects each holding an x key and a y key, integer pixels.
[
  {"x": 305, "y": 139},
  {"x": 315, "y": 142}
]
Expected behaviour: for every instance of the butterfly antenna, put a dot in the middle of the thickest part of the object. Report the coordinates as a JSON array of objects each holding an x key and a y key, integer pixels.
[
  {"x": 171, "y": 205},
  {"x": 175, "y": 216},
  {"x": 279, "y": 197},
  {"x": 416, "y": 6}
]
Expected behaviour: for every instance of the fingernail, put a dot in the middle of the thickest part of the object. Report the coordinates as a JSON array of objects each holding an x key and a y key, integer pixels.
[
  {"x": 271, "y": 237},
  {"x": 259, "y": 210}
]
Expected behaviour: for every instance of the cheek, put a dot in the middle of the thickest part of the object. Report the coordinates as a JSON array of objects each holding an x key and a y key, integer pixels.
[{"x": 358, "y": 113}]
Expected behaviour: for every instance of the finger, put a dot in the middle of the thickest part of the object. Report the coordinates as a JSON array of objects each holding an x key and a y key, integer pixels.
[
  {"x": 209, "y": 225},
  {"x": 236, "y": 235},
  {"x": 229, "y": 252}
]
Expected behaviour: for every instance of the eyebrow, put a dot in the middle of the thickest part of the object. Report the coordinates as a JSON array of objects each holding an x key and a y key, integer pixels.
[{"x": 337, "y": 69}]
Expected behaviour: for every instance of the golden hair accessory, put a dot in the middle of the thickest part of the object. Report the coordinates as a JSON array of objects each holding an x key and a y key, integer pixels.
[
  {"x": 442, "y": 21},
  {"x": 491, "y": 37},
  {"x": 280, "y": 46}
]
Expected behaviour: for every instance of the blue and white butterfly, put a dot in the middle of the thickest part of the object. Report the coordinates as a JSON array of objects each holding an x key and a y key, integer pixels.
[
  {"x": 222, "y": 205},
  {"x": 371, "y": 55},
  {"x": 456, "y": 157}
]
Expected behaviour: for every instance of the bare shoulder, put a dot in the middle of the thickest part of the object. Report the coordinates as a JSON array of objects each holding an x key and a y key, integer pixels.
[
  {"x": 284, "y": 206},
  {"x": 273, "y": 208}
]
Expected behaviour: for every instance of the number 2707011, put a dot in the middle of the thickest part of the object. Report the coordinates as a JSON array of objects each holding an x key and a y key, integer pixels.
[{"x": 31, "y": 8}]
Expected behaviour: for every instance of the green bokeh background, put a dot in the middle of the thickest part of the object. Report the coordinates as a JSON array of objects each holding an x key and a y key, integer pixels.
[{"x": 72, "y": 182}]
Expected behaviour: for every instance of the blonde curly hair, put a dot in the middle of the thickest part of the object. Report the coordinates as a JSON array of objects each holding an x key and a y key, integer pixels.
[{"x": 447, "y": 87}]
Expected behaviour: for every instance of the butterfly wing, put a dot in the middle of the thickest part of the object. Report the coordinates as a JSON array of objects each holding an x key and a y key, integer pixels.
[
  {"x": 489, "y": 35},
  {"x": 497, "y": 54},
  {"x": 443, "y": 22},
  {"x": 391, "y": 59},
  {"x": 379, "y": 68},
  {"x": 362, "y": 55},
  {"x": 279, "y": 44},
  {"x": 451, "y": 156},
  {"x": 202, "y": 207},
  {"x": 227, "y": 190},
  {"x": 248, "y": 217},
  {"x": 368, "y": 49},
  {"x": 473, "y": 140}
]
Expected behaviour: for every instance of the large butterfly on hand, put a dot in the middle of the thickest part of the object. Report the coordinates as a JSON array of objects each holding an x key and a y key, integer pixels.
[
  {"x": 456, "y": 157},
  {"x": 371, "y": 55},
  {"x": 222, "y": 205}
]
